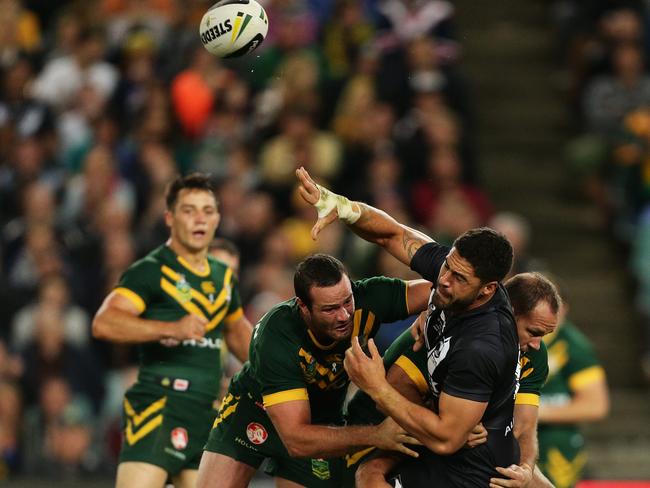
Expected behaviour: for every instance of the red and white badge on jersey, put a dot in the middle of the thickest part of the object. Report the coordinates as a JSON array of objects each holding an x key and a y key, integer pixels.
[
  {"x": 179, "y": 438},
  {"x": 256, "y": 433},
  {"x": 180, "y": 384}
]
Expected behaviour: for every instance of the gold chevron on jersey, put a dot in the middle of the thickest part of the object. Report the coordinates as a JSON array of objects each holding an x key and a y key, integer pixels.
[
  {"x": 139, "y": 425},
  {"x": 196, "y": 297},
  {"x": 526, "y": 368},
  {"x": 564, "y": 471},
  {"x": 324, "y": 377},
  {"x": 367, "y": 326}
]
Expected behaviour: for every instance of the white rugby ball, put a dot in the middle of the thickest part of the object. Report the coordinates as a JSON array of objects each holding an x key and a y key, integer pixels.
[{"x": 232, "y": 28}]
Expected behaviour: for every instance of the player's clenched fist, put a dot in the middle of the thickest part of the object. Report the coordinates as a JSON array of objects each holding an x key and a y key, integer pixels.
[{"x": 191, "y": 327}]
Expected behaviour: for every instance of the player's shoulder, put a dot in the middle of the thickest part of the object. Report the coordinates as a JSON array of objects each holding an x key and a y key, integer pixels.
[
  {"x": 570, "y": 332},
  {"x": 536, "y": 358},
  {"x": 151, "y": 262},
  {"x": 281, "y": 321},
  {"x": 373, "y": 283},
  {"x": 218, "y": 266},
  {"x": 540, "y": 354}
]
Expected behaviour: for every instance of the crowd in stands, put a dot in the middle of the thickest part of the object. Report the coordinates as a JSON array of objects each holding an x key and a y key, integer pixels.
[
  {"x": 103, "y": 102},
  {"x": 605, "y": 48}
]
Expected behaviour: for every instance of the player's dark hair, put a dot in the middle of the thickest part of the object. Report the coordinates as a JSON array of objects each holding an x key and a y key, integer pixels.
[
  {"x": 194, "y": 181},
  {"x": 488, "y": 251},
  {"x": 224, "y": 245},
  {"x": 526, "y": 290},
  {"x": 316, "y": 270}
]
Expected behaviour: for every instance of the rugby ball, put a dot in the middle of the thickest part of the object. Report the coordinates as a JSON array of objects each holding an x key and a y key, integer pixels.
[{"x": 232, "y": 28}]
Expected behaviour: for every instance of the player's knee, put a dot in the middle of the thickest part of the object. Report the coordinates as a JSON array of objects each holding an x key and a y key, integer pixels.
[{"x": 368, "y": 475}]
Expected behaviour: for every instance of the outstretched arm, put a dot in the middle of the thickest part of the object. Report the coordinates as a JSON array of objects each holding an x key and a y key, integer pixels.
[{"x": 370, "y": 223}]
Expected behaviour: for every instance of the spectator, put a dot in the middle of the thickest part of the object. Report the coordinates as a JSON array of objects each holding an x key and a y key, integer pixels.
[
  {"x": 609, "y": 98},
  {"x": 517, "y": 229},
  {"x": 62, "y": 79},
  {"x": 53, "y": 295},
  {"x": 50, "y": 354},
  {"x": 58, "y": 433}
]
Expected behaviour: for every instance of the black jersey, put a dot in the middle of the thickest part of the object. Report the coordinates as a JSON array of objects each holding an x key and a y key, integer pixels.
[{"x": 473, "y": 355}]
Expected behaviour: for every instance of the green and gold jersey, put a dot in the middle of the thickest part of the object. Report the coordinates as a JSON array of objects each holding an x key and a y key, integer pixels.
[
  {"x": 287, "y": 362},
  {"x": 533, "y": 371},
  {"x": 572, "y": 365},
  {"x": 163, "y": 286}
]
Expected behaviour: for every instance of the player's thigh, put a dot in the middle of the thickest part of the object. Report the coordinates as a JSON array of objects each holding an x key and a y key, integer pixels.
[
  {"x": 309, "y": 472},
  {"x": 185, "y": 479},
  {"x": 142, "y": 475},
  {"x": 220, "y": 471}
]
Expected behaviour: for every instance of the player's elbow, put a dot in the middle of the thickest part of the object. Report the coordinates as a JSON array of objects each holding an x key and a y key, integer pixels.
[
  {"x": 297, "y": 446},
  {"x": 445, "y": 447},
  {"x": 100, "y": 329},
  {"x": 599, "y": 410},
  {"x": 297, "y": 449}
]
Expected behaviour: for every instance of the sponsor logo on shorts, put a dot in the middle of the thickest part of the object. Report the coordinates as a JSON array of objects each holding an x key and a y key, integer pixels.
[
  {"x": 180, "y": 384},
  {"x": 320, "y": 468},
  {"x": 256, "y": 433},
  {"x": 179, "y": 438},
  {"x": 176, "y": 454},
  {"x": 241, "y": 441}
]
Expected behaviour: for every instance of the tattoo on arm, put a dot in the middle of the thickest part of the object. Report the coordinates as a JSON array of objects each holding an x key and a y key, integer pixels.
[{"x": 412, "y": 242}]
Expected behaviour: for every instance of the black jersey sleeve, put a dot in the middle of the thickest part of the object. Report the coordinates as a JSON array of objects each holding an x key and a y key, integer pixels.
[{"x": 428, "y": 260}]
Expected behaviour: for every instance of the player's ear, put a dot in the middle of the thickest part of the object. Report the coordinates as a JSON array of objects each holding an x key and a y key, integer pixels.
[
  {"x": 302, "y": 306},
  {"x": 488, "y": 289},
  {"x": 168, "y": 218}
]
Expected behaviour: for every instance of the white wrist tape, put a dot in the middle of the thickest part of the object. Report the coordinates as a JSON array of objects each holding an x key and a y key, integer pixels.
[{"x": 329, "y": 201}]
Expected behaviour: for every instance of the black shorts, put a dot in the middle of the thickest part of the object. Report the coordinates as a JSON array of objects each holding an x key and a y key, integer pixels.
[{"x": 466, "y": 468}]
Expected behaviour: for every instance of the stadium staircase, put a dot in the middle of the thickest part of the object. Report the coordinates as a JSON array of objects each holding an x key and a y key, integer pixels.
[{"x": 522, "y": 125}]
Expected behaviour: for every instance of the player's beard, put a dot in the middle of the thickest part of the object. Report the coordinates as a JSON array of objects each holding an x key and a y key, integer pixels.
[{"x": 459, "y": 305}]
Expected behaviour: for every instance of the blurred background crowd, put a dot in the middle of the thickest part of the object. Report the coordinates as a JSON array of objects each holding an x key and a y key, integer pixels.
[{"x": 102, "y": 102}]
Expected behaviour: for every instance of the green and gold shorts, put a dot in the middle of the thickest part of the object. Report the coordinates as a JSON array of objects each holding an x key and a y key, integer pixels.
[
  {"x": 165, "y": 428},
  {"x": 243, "y": 431}
]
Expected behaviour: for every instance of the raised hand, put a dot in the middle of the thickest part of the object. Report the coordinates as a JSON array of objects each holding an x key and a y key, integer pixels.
[{"x": 328, "y": 204}]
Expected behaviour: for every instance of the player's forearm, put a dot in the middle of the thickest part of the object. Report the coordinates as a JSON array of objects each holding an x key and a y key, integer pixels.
[
  {"x": 419, "y": 421},
  {"x": 588, "y": 404},
  {"x": 572, "y": 413},
  {"x": 118, "y": 326},
  {"x": 525, "y": 431},
  {"x": 378, "y": 227},
  {"x": 528, "y": 447},
  {"x": 327, "y": 441}
]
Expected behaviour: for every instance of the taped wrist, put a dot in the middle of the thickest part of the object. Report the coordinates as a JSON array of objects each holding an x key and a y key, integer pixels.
[{"x": 329, "y": 201}]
